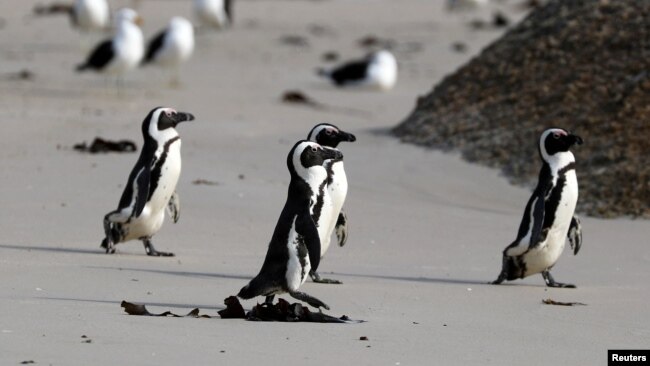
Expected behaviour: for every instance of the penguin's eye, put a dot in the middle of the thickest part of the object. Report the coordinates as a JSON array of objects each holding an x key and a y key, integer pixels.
[
  {"x": 313, "y": 149},
  {"x": 168, "y": 113},
  {"x": 329, "y": 132},
  {"x": 556, "y": 135}
]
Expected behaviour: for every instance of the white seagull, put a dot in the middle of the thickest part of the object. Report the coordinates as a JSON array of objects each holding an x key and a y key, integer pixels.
[
  {"x": 377, "y": 70},
  {"x": 91, "y": 15},
  {"x": 172, "y": 46},
  {"x": 214, "y": 13},
  {"x": 85, "y": 15},
  {"x": 123, "y": 52}
]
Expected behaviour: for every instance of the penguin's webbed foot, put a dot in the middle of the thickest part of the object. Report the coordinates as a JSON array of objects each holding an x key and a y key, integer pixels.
[
  {"x": 269, "y": 300},
  {"x": 550, "y": 281},
  {"x": 503, "y": 275},
  {"x": 308, "y": 299},
  {"x": 315, "y": 277},
  {"x": 108, "y": 245},
  {"x": 151, "y": 251},
  {"x": 499, "y": 279}
]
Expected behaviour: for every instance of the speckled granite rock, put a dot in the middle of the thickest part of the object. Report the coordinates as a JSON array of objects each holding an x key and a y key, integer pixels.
[{"x": 583, "y": 65}]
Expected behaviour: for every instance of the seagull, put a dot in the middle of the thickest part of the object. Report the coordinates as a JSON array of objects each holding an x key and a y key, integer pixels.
[
  {"x": 123, "y": 52},
  {"x": 85, "y": 15},
  {"x": 214, "y": 13},
  {"x": 377, "y": 70},
  {"x": 171, "y": 46}
]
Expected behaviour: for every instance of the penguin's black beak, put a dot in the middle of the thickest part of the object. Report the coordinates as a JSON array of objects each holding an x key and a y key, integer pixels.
[
  {"x": 329, "y": 153},
  {"x": 344, "y": 136},
  {"x": 574, "y": 139},
  {"x": 183, "y": 117}
]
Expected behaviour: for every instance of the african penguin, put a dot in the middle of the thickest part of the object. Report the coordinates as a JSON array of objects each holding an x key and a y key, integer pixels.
[
  {"x": 549, "y": 215},
  {"x": 172, "y": 46},
  {"x": 377, "y": 70},
  {"x": 214, "y": 13},
  {"x": 327, "y": 213},
  {"x": 151, "y": 185},
  {"x": 121, "y": 53},
  {"x": 295, "y": 245}
]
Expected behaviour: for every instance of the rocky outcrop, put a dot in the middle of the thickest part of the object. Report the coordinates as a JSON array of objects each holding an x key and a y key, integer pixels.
[{"x": 583, "y": 65}]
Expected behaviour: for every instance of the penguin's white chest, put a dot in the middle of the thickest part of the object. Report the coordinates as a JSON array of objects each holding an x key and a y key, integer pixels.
[
  {"x": 298, "y": 265},
  {"x": 548, "y": 252},
  {"x": 334, "y": 197},
  {"x": 325, "y": 223},
  {"x": 338, "y": 189},
  {"x": 153, "y": 214},
  {"x": 170, "y": 171}
]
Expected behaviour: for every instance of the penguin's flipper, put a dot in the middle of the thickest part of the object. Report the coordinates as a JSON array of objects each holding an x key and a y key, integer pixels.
[
  {"x": 113, "y": 229},
  {"x": 538, "y": 234},
  {"x": 575, "y": 234},
  {"x": 306, "y": 227},
  {"x": 109, "y": 242},
  {"x": 341, "y": 228},
  {"x": 143, "y": 181},
  {"x": 308, "y": 299},
  {"x": 174, "y": 207}
]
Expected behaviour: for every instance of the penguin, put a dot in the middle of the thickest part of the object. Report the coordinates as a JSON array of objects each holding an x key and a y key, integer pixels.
[
  {"x": 377, "y": 70},
  {"x": 151, "y": 185},
  {"x": 328, "y": 214},
  {"x": 121, "y": 53},
  {"x": 172, "y": 46},
  {"x": 294, "y": 248},
  {"x": 549, "y": 218},
  {"x": 214, "y": 13}
]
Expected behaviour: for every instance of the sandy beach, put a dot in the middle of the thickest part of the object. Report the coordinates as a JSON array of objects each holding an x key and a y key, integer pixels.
[{"x": 426, "y": 228}]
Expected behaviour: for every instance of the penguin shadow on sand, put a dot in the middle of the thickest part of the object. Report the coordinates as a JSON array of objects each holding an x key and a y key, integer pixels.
[
  {"x": 160, "y": 304},
  {"x": 451, "y": 281},
  {"x": 50, "y": 249},
  {"x": 175, "y": 273}
]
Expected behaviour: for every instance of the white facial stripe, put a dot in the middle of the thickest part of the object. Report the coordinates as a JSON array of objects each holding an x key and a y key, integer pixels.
[
  {"x": 558, "y": 160},
  {"x": 315, "y": 132},
  {"x": 313, "y": 174},
  {"x": 542, "y": 139},
  {"x": 158, "y": 135}
]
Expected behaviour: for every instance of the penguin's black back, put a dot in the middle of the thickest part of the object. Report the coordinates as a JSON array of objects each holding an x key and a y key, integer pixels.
[
  {"x": 146, "y": 158},
  {"x": 273, "y": 273}
]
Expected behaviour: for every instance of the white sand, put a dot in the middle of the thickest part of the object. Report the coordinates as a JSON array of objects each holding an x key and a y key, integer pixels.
[{"x": 427, "y": 229}]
